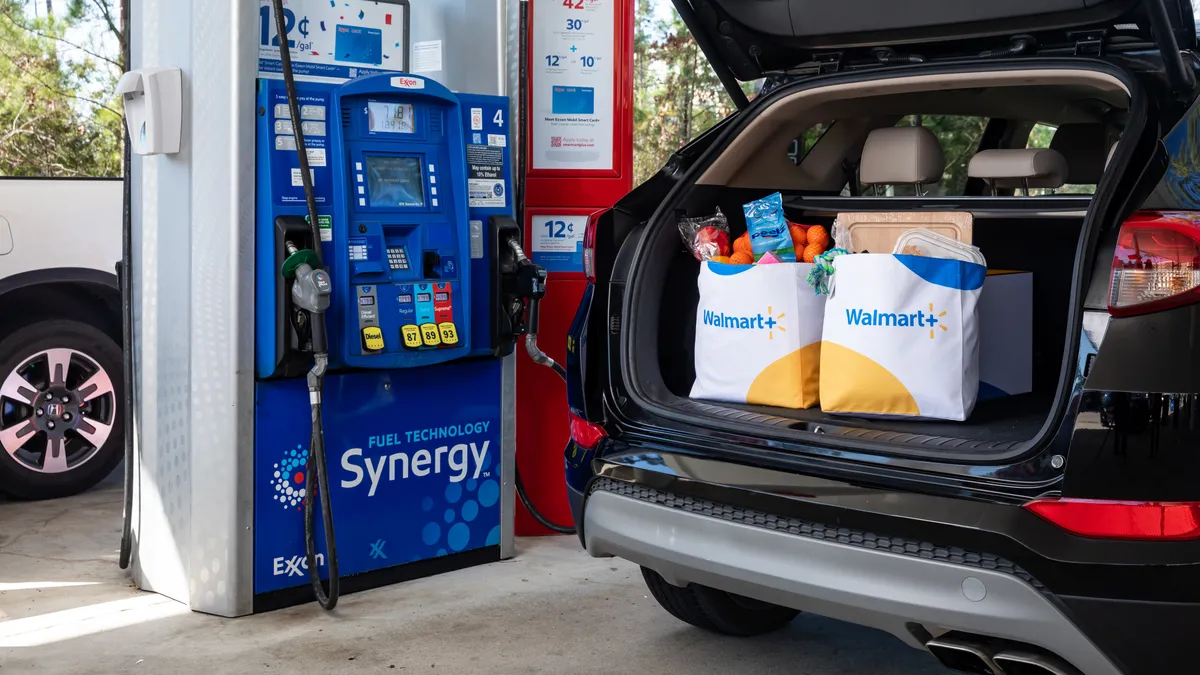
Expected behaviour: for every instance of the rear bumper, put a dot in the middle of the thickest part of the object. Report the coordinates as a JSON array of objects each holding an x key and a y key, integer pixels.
[{"x": 869, "y": 587}]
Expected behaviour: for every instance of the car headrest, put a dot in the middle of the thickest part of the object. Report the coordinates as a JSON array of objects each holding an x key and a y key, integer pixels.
[
  {"x": 901, "y": 156},
  {"x": 1085, "y": 147},
  {"x": 1035, "y": 167}
]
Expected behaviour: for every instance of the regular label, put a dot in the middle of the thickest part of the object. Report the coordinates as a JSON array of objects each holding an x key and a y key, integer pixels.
[
  {"x": 486, "y": 193},
  {"x": 558, "y": 242},
  {"x": 325, "y": 225},
  {"x": 476, "y": 229}
]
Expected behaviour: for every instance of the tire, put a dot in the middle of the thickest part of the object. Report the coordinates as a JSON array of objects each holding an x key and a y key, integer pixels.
[
  {"x": 73, "y": 418},
  {"x": 717, "y": 611}
]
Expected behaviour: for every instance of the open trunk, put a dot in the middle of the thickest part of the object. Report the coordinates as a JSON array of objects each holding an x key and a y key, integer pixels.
[{"x": 1050, "y": 236}]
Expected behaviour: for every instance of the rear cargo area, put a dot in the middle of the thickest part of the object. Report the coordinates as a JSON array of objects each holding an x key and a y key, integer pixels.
[
  {"x": 1042, "y": 233},
  {"x": 995, "y": 425}
]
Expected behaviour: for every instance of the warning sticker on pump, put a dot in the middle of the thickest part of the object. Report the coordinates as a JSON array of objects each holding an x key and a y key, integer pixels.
[
  {"x": 485, "y": 192},
  {"x": 485, "y": 162}
]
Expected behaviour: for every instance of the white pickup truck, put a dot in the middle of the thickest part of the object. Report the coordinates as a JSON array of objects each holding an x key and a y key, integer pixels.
[{"x": 61, "y": 428}]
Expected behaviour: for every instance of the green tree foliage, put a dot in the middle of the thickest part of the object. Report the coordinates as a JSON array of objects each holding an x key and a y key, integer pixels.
[
  {"x": 58, "y": 115},
  {"x": 677, "y": 95}
]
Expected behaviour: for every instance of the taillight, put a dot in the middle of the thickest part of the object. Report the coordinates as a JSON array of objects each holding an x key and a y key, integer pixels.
[
  {"x": 1157, "y": 521},
  {"x": 585, "y": 433},
  {"x": 1156, "y": 264},
  {"x": 589, "y": 245}
]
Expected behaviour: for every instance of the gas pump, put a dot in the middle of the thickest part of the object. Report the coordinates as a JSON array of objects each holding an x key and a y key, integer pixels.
[
  {"x": 324, "y": 262},
  {"x": 411, "y": 423}
]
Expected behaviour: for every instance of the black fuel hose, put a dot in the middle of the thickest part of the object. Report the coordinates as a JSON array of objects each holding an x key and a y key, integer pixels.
[
  {"x": 315, "y": 467},
  {"x": 125, "y": 278}
]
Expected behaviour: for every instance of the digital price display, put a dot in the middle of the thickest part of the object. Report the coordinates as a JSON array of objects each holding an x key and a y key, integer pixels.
[
  {"x": 422, "y": 297},
  {"x": 441, "y": 297},
  {"x": 366, "y": 300},
  {"x": 389, "y": 118},
  {"x": 394, "y": 182},
  {"x": 404, "y": 299}
]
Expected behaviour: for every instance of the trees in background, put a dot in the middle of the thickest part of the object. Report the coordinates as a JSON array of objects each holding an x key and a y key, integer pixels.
[{"x": 59, "y": 63}]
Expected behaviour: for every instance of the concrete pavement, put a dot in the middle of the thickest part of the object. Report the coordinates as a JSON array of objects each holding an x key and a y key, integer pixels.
[{"x": 66, "y": 608}]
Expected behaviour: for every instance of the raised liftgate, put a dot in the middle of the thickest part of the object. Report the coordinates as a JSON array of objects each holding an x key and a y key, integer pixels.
[{"x": 409, "y": 172}]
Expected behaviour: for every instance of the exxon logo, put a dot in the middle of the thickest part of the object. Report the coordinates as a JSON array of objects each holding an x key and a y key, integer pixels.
[
  {"x": 401, "y": 82},
  {"x": 295, "y": 566}
]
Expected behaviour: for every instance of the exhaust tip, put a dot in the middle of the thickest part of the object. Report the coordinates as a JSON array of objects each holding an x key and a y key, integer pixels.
[
  {"x": 1020, "y": 662},
  {"x": 964, "y": 655}
]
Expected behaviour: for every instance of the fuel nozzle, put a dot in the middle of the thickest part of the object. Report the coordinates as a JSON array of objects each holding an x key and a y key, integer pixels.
[
  {"x": 529, "y": 283},
  {"x": 311, "y": 290}
]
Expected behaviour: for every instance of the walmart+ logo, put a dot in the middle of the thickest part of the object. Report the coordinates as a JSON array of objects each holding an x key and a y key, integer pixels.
[
  {"x": 770, "y": 322},
  {"x": 917, "y": 319}
]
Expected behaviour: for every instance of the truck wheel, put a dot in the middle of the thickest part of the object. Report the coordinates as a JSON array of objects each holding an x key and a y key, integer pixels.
[
  {"x": 61, "y": 428},
  {"x": 718, "y": 611}
]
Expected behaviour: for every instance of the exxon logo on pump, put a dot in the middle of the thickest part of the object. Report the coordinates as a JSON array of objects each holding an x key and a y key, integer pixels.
[{"x": 295, "y": 566}]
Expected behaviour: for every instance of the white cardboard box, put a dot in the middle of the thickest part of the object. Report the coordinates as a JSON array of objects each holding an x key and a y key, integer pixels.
[{"x": 1006, "y": 334}]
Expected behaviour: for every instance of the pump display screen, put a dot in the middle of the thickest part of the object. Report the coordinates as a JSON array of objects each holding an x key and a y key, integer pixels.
[
  {"x": 422, "y": 297},
  {"x": 389, "y": 118},
  {"x": 405, "y": 299},
  {"x": 394, "y": 182},
  {"x": 366, "y": 300},
  {"x": 441, "y": 297}
]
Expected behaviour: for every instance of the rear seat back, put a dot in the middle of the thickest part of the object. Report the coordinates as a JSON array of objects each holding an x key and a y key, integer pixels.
[
  {"x": 1086, "y": 147},
  {"x": 1031, "y": 168},
  {"x": 901, "y": 156}
]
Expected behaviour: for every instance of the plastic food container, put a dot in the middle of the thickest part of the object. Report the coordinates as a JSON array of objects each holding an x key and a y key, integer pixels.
[
  {"x": 930, "y": 244},
  {"x": 879, "y": 232}
]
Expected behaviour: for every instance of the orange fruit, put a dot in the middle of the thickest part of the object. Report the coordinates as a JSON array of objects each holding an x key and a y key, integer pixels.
[
  {"x": 742, "y": 244},
  {"x": 799, "y": 237},
  {"x": 742, "y": 258},
  {"x": 812, "y": 251},
  {"x": 818, "y": 235},
  {"x": 720, "y": 259}
]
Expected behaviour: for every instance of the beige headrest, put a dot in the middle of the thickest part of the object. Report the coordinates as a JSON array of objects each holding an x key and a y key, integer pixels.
[
  {"x": 1035, "y": 167},
  {"x": 901, "y": 156}
]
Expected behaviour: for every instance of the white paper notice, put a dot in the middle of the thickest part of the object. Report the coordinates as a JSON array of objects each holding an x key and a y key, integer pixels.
[
  {"x": 427, "y": 56},
  {"x": 572, "y": 84}
]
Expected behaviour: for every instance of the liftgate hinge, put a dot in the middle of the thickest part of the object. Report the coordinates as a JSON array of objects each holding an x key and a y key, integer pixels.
[{"x": 830, "y": 62}]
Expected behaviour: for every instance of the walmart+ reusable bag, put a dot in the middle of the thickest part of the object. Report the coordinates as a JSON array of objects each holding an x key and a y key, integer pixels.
[
  {"x": 758, "y": 335},
  {"x": 900, "y": 337}
]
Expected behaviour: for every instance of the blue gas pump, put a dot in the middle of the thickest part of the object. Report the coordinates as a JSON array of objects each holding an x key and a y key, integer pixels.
[{"x": 399, "y": 381}]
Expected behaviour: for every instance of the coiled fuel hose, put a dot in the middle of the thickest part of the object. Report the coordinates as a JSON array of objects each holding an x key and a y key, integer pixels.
[{"x": 310, "y": 291}]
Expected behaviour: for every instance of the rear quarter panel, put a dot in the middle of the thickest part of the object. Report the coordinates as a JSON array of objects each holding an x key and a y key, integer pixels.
[{"x": 59, "y": 223}]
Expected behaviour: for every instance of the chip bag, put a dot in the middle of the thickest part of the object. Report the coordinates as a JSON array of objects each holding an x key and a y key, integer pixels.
[{"x": 768, "y": 228}]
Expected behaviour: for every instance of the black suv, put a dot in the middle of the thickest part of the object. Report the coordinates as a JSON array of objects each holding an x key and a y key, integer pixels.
[{"x": 1054, "y": 531}]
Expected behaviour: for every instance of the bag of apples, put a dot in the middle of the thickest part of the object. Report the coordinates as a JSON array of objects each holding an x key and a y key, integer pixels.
[{"x": 706, "y": 237}]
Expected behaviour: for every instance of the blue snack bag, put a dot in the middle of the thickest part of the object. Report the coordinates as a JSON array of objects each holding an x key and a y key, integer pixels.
[{"x": 768, "y": 228}]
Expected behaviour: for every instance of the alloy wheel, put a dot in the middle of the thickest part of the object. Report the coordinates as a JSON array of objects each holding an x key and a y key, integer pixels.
[{"x": 57, "y": 409}]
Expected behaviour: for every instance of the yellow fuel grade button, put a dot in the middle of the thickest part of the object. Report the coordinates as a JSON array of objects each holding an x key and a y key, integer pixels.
[
  {"x": 449, "y": 333},
  {"x": 429, "y": 335},
  {"x": 411, "y": 335},
  {"x": 372, "y": 338}
]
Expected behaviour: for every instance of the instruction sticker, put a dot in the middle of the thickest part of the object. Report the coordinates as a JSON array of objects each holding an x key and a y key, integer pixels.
[
  {"x": 497, "y": 140},
  {"x": 476, "y": 119},
  {"x": 427, "y": 56},
  {"x": 316, "y": 156},
  {"x": 298, "y": 178},
  {"x": 485, "y": 177}
]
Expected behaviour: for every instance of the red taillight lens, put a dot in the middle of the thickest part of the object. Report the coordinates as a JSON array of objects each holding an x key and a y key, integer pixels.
[
  {"x": 585, "y": 433},
  {"x": 1159, "y": 521},
  {"x": 589, "y": 245},
  {"x": 1156, "y": 264}
]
